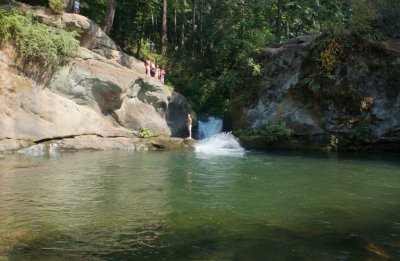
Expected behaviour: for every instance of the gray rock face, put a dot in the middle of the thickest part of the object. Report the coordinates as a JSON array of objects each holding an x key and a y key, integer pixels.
[
  {"x": 276, "y": 102},
  {"x": 102, "y": 93},
  {"x": 177, "y": 112},
  {"x": 354, "y": 98}
]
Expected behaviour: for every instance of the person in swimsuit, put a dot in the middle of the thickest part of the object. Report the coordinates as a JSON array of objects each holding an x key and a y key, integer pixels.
[
  {"x": 189, "y": 125},
  {"x": 147, "y": 67},
  {"x": 76, "y": 6},
  {"x": 162, "y": 74}
]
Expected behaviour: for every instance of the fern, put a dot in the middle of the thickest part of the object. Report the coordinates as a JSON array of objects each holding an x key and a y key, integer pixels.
[{"x": 312, "y": 84}]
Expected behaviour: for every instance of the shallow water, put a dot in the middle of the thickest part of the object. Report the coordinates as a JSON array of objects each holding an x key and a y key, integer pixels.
[{"x": 179, "y": 206}]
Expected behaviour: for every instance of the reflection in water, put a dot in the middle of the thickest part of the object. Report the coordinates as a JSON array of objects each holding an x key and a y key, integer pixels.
[{"x": 178, "y": 206}]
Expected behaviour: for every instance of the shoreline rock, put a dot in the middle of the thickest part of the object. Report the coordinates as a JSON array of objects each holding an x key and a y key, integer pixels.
[{"x": 96, "y": 143}]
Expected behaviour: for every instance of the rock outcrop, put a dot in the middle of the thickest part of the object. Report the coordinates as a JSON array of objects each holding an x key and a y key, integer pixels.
[
  {"x": 358, "y": 104},
  {"x": 102, "y": 93}
]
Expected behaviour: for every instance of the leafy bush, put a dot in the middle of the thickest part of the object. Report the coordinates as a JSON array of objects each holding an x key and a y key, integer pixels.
[
  {"x": 277, "y": 131},
  {"x": 147, "y": 52},
  {"x": 351, "y": 142},
  {"x": 334, "y": 141},
  {"x": 35, "y": 42},
  {"x": 272, "y": 132},
  {"x": 57, "y": 6},
  {"x": 312, "y": 84},
  {"x": 146, "y": 133}
]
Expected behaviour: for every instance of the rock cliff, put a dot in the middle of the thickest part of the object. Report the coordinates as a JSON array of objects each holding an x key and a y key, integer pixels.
[
  {"x": 355, "y": 107},
  {"x": 102, "y": 94}
]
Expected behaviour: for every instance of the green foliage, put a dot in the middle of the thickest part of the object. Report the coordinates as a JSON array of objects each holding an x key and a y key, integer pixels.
[
  {"x": 332, "y": 50},
  {"x": 334, "y": 141},
  {"x": 361, "y": 134},
  {"x": 255, "y": 66},
  {"x": 145, "y": 133},
  {"x": 36, "y": 42},
  {"x": 351, "y": 142},
  {"x": 312, "y": 83},
  {"x": 277, "y": 131},
  {"x": 222, "y": 62},
  {"x": 57, "y": 6},
  {"x": 272, "y": 132},
  {"x": 146, "y": 52}
]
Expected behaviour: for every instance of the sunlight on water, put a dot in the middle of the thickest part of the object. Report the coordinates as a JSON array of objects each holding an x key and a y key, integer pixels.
[
  {"x": 180, "y": 205},
  {"x": 224, "y": 144}
]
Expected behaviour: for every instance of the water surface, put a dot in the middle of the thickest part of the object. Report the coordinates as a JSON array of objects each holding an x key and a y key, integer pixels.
[{"x": 183, "y": 206}]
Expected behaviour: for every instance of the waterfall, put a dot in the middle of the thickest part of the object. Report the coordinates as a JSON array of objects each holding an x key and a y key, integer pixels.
[{"x": 210, "y": 127}]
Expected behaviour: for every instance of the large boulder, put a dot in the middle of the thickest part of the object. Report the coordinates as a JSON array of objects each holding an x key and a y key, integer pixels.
[
  {"x": 133, "y": 100},
  {"x": 276, "y": 102},
  {"x": 176, "y": 116},
  {"x": 359, "y": 104},
  {"x": 101, "y": 93},
  {"x": 29, "y": 114}
]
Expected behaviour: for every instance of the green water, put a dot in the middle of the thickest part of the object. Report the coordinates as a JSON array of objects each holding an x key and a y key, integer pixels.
[{"x": 178, "y": 206}]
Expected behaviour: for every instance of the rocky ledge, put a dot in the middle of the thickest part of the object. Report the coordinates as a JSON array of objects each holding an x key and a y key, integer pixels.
[{"x": 99, "y": 100}]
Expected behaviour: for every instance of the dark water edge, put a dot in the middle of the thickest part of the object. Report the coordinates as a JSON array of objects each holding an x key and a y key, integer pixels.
[
  {"x": 179, "y": 206},
  {"x": 318, "y": 143}
]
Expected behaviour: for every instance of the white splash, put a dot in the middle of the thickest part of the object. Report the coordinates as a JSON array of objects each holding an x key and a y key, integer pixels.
[{"x": 224, "y": 144}]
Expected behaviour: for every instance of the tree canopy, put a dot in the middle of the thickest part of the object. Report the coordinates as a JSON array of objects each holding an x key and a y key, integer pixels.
[{"x": 211, "y": 48}]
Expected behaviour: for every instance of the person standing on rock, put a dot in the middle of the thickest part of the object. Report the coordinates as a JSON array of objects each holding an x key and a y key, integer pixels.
[
  {"x": 189, "y": 125},
  {"x": 147, "y": 67},
  {"x": 76, "y": 6},
  {"x": 158, "y": 72},
  {"x": 162, "y": 74},
  {"x": 152, "y": 69}
]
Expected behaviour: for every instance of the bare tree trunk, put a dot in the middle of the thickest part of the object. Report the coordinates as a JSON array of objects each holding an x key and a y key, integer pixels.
[
  {"x": 175, "y": 33},
  {"x": 279, "y": 21},
  {"x": 182, "y": 38},
  {"x": 164, "y": 29},
  {"x": 152, "y": 26},
  {"x": 287, "y": 29},
  {"x": 108, "y": 20},
  {"x": 201, "y": 30},
  {"x": 193, "y": 26}
]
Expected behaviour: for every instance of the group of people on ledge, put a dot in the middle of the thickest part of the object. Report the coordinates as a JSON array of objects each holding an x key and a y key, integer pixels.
[{"x": 154, "y": 70}]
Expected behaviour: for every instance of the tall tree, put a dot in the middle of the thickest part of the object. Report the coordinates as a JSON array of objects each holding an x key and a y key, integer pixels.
[
  {"x": 108, "y": 20},
  {"x": 164, "y": 29},
  {"x": 141, "y": 34},
  {"x": 201, "y": 29},
  {"x": 193, "y": 26},
  {"x": 279, "y": 21},
  {"x": 182, "y": 38},
  {"x": 175, "y": 31}
]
